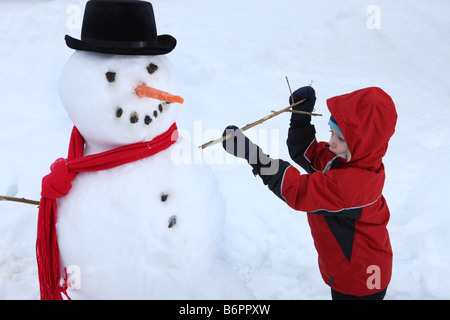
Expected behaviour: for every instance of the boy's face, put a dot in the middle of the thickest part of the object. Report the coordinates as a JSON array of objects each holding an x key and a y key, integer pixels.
[{"x": 337, "y": 143}]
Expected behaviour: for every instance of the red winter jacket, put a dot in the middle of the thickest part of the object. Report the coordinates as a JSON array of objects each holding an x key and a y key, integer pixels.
[{"x": 347, "y": 212}]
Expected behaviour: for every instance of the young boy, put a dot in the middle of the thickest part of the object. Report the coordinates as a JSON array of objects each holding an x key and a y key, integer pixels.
[{"x": 342, "y": 192}]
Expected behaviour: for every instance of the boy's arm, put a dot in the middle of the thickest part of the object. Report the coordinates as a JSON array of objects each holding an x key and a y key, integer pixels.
[
  {"x": 301, "y": 133},
  {"x": 300, "y": 192},
  {"x": 301, "y": 137},
  {"x": 303, "y": 147},
  {"x": 270, "y": 170}
]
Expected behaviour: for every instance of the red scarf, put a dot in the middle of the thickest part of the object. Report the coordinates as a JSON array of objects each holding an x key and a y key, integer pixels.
[{"x": 58, "y": 183}]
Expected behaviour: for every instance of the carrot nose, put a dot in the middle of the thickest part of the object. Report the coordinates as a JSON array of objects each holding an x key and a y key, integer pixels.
[{"x": 145, "y": 91}]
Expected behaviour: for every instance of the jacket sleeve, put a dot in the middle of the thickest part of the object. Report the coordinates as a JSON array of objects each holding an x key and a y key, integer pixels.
[
  {"x": 312, "y": 192},
  {"x": 287, "y": 183},
  {"x": 304, "y": 149},
  {"x": 305, "y": 192},
  {"x": 300, "y": 137},
  {"x": 272, "y": 175}
]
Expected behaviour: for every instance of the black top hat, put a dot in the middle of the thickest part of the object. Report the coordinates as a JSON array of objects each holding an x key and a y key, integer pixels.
[{"x": 121, "y": 27}]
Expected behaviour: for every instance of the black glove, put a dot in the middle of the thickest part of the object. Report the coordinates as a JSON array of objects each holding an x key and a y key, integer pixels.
[
  {"x": 307, "y": 93},
  {"x": 242, "y": 147}
]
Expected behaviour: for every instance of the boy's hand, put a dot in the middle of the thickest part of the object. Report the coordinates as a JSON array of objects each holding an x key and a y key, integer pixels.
[
  {"x": 242, "y": 147},
  {"x": 307, "y": 93},
  {"x": 238, "y": 145}
]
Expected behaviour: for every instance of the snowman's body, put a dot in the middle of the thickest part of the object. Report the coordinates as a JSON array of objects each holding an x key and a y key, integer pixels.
[{"x": 148, "y": 229}]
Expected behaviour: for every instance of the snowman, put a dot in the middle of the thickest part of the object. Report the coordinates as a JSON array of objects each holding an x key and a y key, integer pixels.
[{"x": 140, "y": 228}]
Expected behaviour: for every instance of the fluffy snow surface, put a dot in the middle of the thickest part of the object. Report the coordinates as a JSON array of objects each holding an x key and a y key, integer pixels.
[{"x": 232, "y": 59}]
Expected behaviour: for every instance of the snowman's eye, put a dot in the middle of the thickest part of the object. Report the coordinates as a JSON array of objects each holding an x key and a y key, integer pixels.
[
  {"x": 151, "y": 68},
  {"x": 110, "y": 76}
]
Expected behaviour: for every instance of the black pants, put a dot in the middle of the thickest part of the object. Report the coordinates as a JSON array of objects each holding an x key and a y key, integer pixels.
[{"x": 340, "y": 296}]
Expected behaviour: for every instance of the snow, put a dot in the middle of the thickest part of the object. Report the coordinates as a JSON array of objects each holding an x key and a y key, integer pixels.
[{"x": 232, "y": 58}]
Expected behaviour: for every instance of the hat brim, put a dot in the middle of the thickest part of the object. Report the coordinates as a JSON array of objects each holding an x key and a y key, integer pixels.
[
  {"x": 165, "y": 44},
  {"x": 332, "y": 123}
]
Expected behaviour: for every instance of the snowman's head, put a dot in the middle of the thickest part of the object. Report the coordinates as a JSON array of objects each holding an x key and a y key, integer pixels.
[{"x": 116, "y": 100}]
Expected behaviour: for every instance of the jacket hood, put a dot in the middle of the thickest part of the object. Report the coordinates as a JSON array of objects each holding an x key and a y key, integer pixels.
[{"x": 367, "y": 119}]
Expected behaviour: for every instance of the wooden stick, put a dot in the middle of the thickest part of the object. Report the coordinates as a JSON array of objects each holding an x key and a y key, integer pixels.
[
  {"x": 290, "y": 90},
  {"x": 251, "y": 125},
  {"x": 303, "y": 112},
  {"x": 22, "y": 200}
]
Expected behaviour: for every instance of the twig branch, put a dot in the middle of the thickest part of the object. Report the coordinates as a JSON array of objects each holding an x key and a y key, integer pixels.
[
  {"x": 22, "y": 200},
  {"x": 302, "y": 112},
  {"x": 290, "y": 90},
  {"x": 274, "y": 114},
  {"x": 251, "y": 125}
]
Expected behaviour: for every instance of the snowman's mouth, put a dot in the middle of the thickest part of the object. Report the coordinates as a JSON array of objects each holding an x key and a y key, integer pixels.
[{"x": 135, "y": 117}]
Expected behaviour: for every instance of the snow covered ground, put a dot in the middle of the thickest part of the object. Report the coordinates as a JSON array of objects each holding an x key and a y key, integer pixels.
[{"x": 232, "y": 58}]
